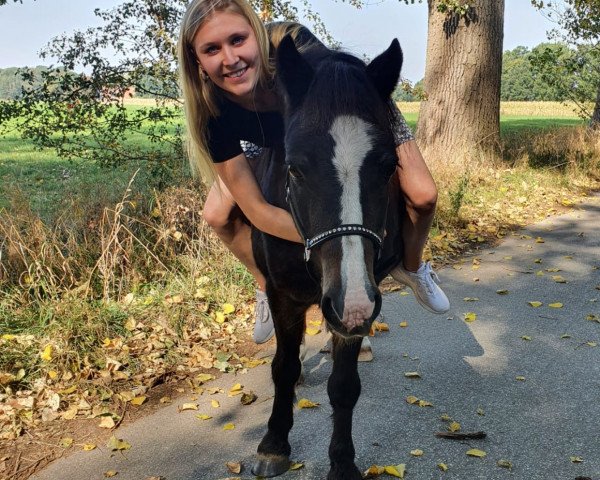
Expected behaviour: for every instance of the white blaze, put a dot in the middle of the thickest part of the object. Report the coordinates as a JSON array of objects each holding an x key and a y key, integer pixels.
[{"x": 352, "y": 143}]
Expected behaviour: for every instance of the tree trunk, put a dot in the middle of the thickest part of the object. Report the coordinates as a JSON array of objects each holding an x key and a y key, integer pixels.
[
  {"x": 595, "y": 121},
  {"x": 462, "y": 80}
]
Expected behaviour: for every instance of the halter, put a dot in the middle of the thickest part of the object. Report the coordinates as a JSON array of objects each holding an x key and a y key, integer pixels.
[{"x": 340, "y": 231}]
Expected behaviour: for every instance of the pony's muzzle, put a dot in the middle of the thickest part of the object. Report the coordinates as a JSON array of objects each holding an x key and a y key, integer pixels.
[{"x": 351, "y": 318}]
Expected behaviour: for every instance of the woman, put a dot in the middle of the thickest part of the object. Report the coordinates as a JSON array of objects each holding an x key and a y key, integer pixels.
[{"x": 226, "y": 61}]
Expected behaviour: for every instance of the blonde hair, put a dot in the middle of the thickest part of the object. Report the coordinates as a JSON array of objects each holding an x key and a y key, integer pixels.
[{"x": 201, "y": 96}]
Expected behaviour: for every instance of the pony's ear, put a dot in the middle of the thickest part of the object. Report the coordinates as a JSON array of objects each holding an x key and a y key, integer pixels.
[
  {"x": 384, "y": 70},
  {"x": 294, "y": 73}
]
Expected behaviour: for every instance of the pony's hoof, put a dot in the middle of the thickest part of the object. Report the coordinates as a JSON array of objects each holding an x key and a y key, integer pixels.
[{"x": 270, "y": 465}]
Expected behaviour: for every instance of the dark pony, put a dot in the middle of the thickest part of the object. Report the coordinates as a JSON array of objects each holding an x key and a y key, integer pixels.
[{"x": 336, "y": 177}]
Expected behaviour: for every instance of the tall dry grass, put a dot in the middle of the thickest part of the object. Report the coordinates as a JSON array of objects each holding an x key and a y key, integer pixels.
[{"x": 518, "y": 109}]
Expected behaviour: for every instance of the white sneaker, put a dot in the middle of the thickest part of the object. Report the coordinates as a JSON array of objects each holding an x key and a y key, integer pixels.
[
  {"x": 263, "y": 323},
  {"x": 423, "y": 284}
]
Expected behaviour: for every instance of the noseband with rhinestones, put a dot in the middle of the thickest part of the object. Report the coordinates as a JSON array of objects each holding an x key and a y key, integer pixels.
[{"x": 340, "y": 231}]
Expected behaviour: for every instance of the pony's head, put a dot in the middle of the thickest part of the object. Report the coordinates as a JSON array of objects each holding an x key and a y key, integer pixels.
[{"x": 340, "y": 153}]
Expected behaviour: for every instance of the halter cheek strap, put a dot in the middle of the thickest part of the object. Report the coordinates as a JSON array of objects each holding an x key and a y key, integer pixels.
[{"x": 340, "y": 231}]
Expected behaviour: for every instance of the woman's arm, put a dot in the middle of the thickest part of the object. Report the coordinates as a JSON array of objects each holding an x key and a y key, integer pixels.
[{"x": 239, "y": 178}]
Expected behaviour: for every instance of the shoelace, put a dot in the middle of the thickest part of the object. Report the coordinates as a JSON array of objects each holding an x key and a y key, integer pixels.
[
  {"x": 262, "y": 303},
  {"x": 429, "y": 276}
]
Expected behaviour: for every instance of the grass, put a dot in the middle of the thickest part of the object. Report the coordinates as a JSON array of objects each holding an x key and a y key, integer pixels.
[{"x": 99, "y": 268}]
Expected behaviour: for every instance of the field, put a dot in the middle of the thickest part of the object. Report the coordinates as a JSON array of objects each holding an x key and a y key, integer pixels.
[{"x": 109, "y": 285}]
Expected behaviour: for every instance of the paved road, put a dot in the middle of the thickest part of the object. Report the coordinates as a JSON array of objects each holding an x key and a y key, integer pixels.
[{"x": 537, "y": 424}]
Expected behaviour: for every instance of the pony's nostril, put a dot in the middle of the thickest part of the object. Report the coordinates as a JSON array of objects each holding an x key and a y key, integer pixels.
[{"x": 329, "y": 309}]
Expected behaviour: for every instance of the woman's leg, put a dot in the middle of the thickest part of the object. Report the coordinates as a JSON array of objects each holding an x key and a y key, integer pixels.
[
  {"x": 227, "y": 220},
  {"x": 223, "y": 215},
  {"x": 420, "y": 196}
]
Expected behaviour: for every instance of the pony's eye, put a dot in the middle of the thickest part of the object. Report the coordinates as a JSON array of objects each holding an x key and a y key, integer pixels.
[{"x": 294, "y": 172}]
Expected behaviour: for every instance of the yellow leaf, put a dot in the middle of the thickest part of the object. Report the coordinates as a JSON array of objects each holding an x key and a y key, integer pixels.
[
  {"x": 155, "y": 213},
  {"x": 471, "y": 299},
  {"x": 404, "y": 293},
  {"x": 520, "y": 378},
  {"x": 110, "y": 473},
  {"x": 537, "y": 260},
  {"x": 373, "y": 471},
  {"x": 46, "y": 355},
  {"x": 305, "y": 403},
  {"x": 189, "y": 406},
  {"x": 236, "y": 390},
  {"x": 443, "y": 467},
  {"x": 539, "y": 240},
  {"x": 412, "y": 375},
  {"x": 470, "y": 317},
  {"x": 138, "y": 400},
  {"x": 228, "y": 426},
  {"x": 215, "y": 403},
  {"x": 52, "y": 374},
  {"x": 107, "y": 422},
  {"x": 219, "y": 317},
  {"x": 474, "y": 452},
  {"x": 576, "y": 459},
  {"x": 504, "y": 464},
  {"x": 312, "y": 331},
  {"x": 204, "y": 377},
  {"x": 555, "y": 305},
  {"x": 591, "y": 317},
  {"x": 416, "y": 452},
  {"x": 228, "y": 308},
  {"x": 66, "y": 442},
  {"x": 535, "y": 304},
  {"x": 425, "y": 403},
  {"x": 203, "y": 416},
  {"x": 234, "y": 467},
  {"x": 502, "y": 292},
  {"x": 404, "y": 324},
  {"x": 69, "y": 390},
  {"x": 177, "y": 299},
  {"x": 381, "y": 326},
  {"x": 454, "y": 427},
  {"x": 115, "y": 444},
  {"x": 89, "y": 446},
  {"x": 411, "y": 399},
  {"x": 539, "y": 273},
  {"x": 525, "y": 337},
  {"x": 296, "y": 466},
  {"x": 397, "y": 471},
  {"x": 558, "y": 279}
]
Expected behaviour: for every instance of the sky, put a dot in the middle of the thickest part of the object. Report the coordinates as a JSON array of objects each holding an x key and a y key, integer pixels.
[{"x": 26, "y": 28}]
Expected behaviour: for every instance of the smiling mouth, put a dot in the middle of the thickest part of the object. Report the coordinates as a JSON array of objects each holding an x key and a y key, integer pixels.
[{"x": 236, "y": 74}]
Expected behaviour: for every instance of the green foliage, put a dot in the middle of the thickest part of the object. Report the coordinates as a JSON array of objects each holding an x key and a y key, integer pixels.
[{"x": 407, "y": 92}]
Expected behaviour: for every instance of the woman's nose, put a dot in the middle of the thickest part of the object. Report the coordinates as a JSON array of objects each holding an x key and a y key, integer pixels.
[{"x": 230, "y": 57}]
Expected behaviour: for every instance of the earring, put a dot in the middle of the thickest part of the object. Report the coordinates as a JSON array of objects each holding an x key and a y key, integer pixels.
[{"x": 203, "y": 74}]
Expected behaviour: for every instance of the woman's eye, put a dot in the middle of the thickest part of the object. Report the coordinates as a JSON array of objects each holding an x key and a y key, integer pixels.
[
  {"x": 210, "y": 50},
  {"x": 238, "y": 40}
]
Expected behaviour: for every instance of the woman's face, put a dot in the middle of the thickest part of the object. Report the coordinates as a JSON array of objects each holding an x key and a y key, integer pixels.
[{"x": 228, "y": 52}]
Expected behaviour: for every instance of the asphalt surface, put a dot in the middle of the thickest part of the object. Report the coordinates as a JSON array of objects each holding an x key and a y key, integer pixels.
[{"x": 469, "y": 371}]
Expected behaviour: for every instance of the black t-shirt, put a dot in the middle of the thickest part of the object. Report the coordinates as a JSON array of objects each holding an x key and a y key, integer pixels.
[{"x": 235, "y": 123}]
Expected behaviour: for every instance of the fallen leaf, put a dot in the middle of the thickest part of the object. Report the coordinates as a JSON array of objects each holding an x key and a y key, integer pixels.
[
  {"x": 539, "y": 240},
  {"x": 417, "y": 452},
  {"x": 204, "y": 377},
  {"x": 228, "y": 308},
  {"x": 46, "y": 355},
  {"x": 397, "y": 471},
  {"x": 592, "y": 318},
  {"x": 474, "y": 452},
  {"x": 235, "y": 390},
  {"x": 247, "y": 398},
  {"x": 412, "y": 375},
  {"x": 558, "y": 279},
  {"x": 88, "y": 447},
  {"x": 576, "y": 459},
  {"x": 454, "y": 427},
  {"x": 305, "y": 403},
  {"x": 520, "y": 378},
  {"x": 189, "y": 406},
  {"x": 504, "y": 464},
  {"x": 138, "y": 400},
  {"x": 228, "y": 426},
  {"x": 404, "y": 324},
  {"x": 234, "y": 467},
  {"x": 203, "y": 416},
  {"x": 526, "y": 337},
  {"x": 117, "y": 444},
  {"x": 555, "y": 305},
  {"x": 296, "y": 466},
  {"x": 66, "y": 442},
  {"x": 471, "y": 299},
  {"x": 110, "y": 473},
  {"x": 443, "y": 467},
  {"x": 411, "y": 399},
  {"x": 381, "y": 326},
  {"x": 107, "y": 422},
  {"x": 502, "y": 292},
  {"x": 470, "y": 317},
  {"x": 214, "y": 403},
  {"x": 373, "y": 471},
  {"x": 535, "y": 304}
]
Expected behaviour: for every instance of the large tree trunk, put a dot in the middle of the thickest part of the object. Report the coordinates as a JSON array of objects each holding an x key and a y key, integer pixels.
[
  {"x": 595, "y": 121},
  {"x": 462, "y": 80}
]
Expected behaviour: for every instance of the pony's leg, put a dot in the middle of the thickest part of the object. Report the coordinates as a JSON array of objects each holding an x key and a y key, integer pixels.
[
  {"x": 274, "y": 449},
  {"x": 343, "y": 389}
]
